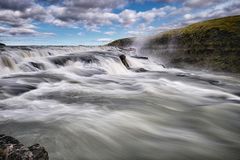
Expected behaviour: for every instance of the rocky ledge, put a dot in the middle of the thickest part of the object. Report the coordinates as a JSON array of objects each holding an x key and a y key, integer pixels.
[{"x": 12, "y": 149}]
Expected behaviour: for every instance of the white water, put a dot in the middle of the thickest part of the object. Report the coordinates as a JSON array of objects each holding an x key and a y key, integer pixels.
[{"x": 82, "y": 104}]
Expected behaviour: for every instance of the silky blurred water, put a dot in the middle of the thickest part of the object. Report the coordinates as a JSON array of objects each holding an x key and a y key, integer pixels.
[{"x": 84, "y": 104}]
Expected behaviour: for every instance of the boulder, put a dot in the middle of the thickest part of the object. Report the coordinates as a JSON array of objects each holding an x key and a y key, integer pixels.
[
  {"x": 12, "y": 149},
  {"x": 124, "y": 61},
  {"x": 2, "y": 45}
]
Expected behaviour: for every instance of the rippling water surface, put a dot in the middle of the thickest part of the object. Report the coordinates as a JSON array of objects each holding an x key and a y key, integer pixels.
[{"x": 82, "y": 103}]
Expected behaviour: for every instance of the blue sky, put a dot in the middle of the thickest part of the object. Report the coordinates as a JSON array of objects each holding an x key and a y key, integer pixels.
[{"x": 96, "y": 22}]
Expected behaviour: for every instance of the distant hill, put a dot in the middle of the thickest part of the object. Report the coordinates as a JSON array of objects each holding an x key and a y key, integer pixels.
[
  {"x": 125, "y": 42},
  {"x": 212, "y": 44}
]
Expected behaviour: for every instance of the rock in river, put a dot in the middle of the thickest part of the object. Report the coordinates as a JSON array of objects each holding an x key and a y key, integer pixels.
[{"x": 12, "y": 149}]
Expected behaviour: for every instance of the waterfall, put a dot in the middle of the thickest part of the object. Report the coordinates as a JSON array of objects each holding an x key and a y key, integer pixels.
[{"x": 85, "y": 103}]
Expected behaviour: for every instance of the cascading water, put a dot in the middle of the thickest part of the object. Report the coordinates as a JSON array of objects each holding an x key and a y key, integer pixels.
[{"x": 83, "y": 103}]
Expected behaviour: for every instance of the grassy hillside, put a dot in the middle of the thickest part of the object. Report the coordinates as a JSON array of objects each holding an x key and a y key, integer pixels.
[
  {"x": 212, "y": 44},
  {"x": 213, "y": 33}
]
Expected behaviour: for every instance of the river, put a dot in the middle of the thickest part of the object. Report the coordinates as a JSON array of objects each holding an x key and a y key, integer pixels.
[{"x": 82, "y": 103}]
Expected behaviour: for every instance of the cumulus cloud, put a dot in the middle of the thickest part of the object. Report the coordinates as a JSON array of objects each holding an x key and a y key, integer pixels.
[
  {"x": 227, "y": 8},
  {"x": 23, "y": 31},
  {"x": 95, "y": 4},
  {"x": 142, "y": 30},
  {"x": 98, "y": 13},
  {"x": 81, "y": 12},
  {"x": 15, "y": 4},
  {"x": 18, "y": 17},
  {"x": 201, "y": 3},
  {"x": 128, "y": 17}
]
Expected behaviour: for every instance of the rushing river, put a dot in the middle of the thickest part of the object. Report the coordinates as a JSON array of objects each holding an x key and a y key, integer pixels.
[{"x": 82, "y": 103}]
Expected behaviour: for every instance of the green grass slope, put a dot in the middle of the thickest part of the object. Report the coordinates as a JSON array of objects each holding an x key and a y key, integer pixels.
[{"x": 213, "y": 44}]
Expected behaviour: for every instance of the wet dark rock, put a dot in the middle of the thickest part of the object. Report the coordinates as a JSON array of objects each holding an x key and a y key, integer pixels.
[
  {"x": 38, "y": 152},
  {"x": 2, "y": 45},
  {"x": 12, "y": 149},
  {"x": 139, "y": 57},
  {"x": 38, "y": 65},
  {"x": 181, "y": 75},
  {"x": 62, "y": 60},
  {"x": 124, "y": 61},
  {"x": 237, "y": 94},
  {"x": 16, "y": 88},
  {"x": 139, "y": 70}
]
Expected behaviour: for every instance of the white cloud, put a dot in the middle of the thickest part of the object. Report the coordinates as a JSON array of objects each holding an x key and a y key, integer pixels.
[
  {"x": 227, "y": 8},
  {"x": 23, "y": 31},
  {"x": 95, "y": 3},
  {"x": 104, "y": 40},
  {"x": 188, "y": 16},
  {"x": 129, "y": 17},
  {"x": 17, "y": 17},
  {"x": 150, "y": 15},
  {"x": 201, "y": 3},
  {"x": 141, "y": 30},
  {"x": 110, "y": 33}
]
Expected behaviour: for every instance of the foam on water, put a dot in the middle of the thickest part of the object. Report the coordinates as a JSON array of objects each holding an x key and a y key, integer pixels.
[{"x": 83, "y": 103}]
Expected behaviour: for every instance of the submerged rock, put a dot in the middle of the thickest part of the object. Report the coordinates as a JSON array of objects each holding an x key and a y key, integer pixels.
[
  {"x": 12, "y": 149},
  {"x": 139, "y": 70},
  {"x": 139, "y": 57}
]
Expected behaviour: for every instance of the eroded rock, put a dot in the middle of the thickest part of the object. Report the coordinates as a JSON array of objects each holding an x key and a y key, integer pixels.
[
  {"x": 12, "y": 149},
  {"x": 124, "y": 61}
]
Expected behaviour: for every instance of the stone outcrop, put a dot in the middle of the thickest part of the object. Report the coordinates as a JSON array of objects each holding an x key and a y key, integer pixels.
[
  {"x": 2, "y": 45},
  {"x": 125, "y": 63},
  {"x": 12, "y": 149}
]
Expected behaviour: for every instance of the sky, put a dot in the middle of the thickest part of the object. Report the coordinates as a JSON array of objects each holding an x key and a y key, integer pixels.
[{"x": 97, "y": 22}]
